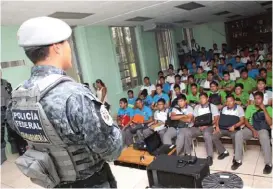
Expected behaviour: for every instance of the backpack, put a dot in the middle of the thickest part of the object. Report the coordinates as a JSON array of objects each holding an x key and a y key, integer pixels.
[
  {"x": 175, "y": 123},
  {"x": 259, "y": 121},
  {"x": 215, "y": 99}
]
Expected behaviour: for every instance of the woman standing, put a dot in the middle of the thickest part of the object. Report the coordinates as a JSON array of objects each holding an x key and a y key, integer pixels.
[{"x": 102, "y": 93}]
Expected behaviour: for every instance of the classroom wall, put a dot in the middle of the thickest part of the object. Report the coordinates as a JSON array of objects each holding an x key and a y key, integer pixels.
[{"x": 207, "y": 34}]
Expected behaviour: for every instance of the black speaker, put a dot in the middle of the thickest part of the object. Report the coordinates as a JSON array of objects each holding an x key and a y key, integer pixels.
[{"x": 176, "y": 172}]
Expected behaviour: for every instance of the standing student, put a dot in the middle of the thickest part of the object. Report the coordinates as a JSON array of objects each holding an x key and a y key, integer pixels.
[
  {"x": 160, "y": 95},
  {"x": 131, "y": 99},
  {"x": 102, "y": 93},
  {"x": 182, "y": 117},
  {"x": 258, "y": 122},
  {"x": 171, "y": 76},
  {"x": 241, "y": 97},
  {"x": 231, "y": 119},
  {"x": 178, "y": 82},
  {"x": 209, "y": 110},
  {"x": 234, "y": 74},
  {"x": 227, "y": 84},
  {"x": 267, "y": 95},
  {"x": 249, "y": 83},
  {"x": 216, "y": 96},
  {"x": 148, "y": 86}
]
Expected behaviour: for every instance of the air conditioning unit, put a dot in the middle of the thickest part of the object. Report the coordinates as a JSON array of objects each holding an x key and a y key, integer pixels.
[{"x": 157, "y": 26}]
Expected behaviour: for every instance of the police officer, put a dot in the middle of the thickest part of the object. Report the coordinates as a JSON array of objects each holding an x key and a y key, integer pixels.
[{"x": 70, "y": 133}]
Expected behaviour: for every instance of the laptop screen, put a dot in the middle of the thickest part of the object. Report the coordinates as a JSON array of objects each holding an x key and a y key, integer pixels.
[{"x": 153, "y": 142}]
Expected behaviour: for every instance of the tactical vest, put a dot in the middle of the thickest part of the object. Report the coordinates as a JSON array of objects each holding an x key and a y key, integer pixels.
[
  {"x": 5, "y": 96},
  {"x": 49, "y": 161}
]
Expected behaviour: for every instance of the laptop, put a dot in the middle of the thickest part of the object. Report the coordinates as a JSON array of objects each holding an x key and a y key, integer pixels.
[{"x": 155, "y": 147}]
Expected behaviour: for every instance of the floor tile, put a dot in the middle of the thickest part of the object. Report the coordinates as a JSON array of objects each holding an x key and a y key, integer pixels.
[
  {"x": 262, "y": 182},
  {"x": 247, "y": 179},
  {"x": 142, "y": 184},
  {"x": 219, "y": 165},
  {"x": 260, "y": 167},
  {"x": 21, "y": 182},
  {"x": 9, "y": 173},
  {"x": 5, "y": 186}
]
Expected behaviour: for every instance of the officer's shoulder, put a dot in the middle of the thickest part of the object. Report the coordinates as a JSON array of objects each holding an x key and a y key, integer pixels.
[{"x": 74, "y": 88}]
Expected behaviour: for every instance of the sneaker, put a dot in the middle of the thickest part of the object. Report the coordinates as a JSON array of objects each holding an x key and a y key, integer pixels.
[
  {"x": 267, "y": 169},
  {"x": 223, "y": 155},
  {"x": 235, "y": 165},
  {"x": 209, "y": 160}
]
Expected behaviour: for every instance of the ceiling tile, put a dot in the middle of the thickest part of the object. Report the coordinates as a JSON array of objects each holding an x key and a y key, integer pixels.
[
  {"x": 139, "y": 19},
  {"x": 221, "y": 13},
  {"x": 190, "y": 6},
  {"x": 182, "y": 21},
  {"x": 70, "y": 15}
]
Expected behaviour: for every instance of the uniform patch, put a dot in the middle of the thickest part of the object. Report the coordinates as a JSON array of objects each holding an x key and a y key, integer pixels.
[
  {"x": 29, "y": 125},
  {"x": 106, "y": 116}
]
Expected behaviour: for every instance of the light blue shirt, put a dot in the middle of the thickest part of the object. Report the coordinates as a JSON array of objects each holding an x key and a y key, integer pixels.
[
  {"x": 146, "y": 112},
  {"x": 163, "y": 95},
  {"x": 128, "y": 111}
]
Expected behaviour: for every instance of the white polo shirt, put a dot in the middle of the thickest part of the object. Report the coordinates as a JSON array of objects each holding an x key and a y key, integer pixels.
[
  {"x": 267, "y": 97},
  {"x": 184, "y": 111},
  {"x": 148, "y": 88},
  {"x": 234, "y": 75},
  {"x": 199, "y": 110},
  {"x": 205, "y": 65},
  {"x": 245, "y": 59},
  {"x": 170, "y": 79},
  {"x": 161, "y": 116},
  {"x": 237, "y": 111},
  {"x": 182, "y": 87}
]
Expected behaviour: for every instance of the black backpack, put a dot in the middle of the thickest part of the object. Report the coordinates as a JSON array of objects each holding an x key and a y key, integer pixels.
[
  {"x": 215, "y": 99},
  {"x": 175, "y": 123},
  {"x": 259, "y": 121}
]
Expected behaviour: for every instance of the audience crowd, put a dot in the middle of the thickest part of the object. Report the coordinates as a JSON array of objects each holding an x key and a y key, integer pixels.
[{"x": 215, "y": 93}]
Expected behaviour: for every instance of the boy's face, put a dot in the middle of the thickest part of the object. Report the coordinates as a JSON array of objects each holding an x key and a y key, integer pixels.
[
  {"x": 170, "y": 71},
  {"x": 139, "y": 104},
  {"x": 199, "y": 70},
  {"x": 177, "y": 80},
  {"x": 269, "y": 65},
  {"x": 230, "y": 103},
  {"x": 194, "y": 89},
  {"x": 210, "y": 77},
  {"x": 269, "y": 57},
  {"x": 244, "y": 75},
  {"x": 122, "y": 105},
  {"x": 158, "y": 90},
  {"x": 160, "y": 75},
  {"x": 160, "y": 106},
  {"x": 261, "y": 86},
  {"x": 177, "y": 91},
  {"x": 215, "y": 70},
  {"x": 238, "y": 90},
  {"x": 146, "y": 81},
  {"x": 191, "y": 80},
  {"x": 258, "y": 100},
  {"x": 203, "y": 100},
  {"x": 213, "y": 88},
  {"x": 185, "y": 71},
  {"x": 194, "y": 65},
  {"x": 238, "y": 60},
  {"x": 226, "y": 77},
  {"x": 131, "y": 95},
  {"x": 263, "y": 74},
  {"x": 162, "y": 80},
  {"x": 229, "y": 68},
  {"x": 249, "y": 67},
  {"x": 181, "y": 103}
]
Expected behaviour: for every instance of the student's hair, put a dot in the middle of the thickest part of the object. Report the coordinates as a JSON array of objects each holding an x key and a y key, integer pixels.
[
  {"x": 262, "y": 69},
  {"x": 177, "y": 76},
  {"x": 200, "y": 67},
  {"x": 222, "y": 58},
  {"x": 147, "y": 78},
  {"x": 269, "y": 61},
  {"x": 244, "y": 70},
  {"x": 238, "y": 57},
  {"x": 261, "y": 80},
  {"x": 176, "y": 86},
  {"x": 203, "y": 94},
  {"x": 162, "y": 100},
  {"x": 170, "y": 68},
  {"x": 259, "y": 93},
  {"x": 248, "y": 63},
  {"x": 139, "y": 99},
  {"x": 239, "y": 85},
  {"x": 212, "y": 59},
  {"x": 229, "y": 64},
  {"x": 100, "y": 82},
  {"x": 214, "y": 83},
  {"x": 160, "y": 72},
  {"x": 194, "y": 84},
  {"x": 181, "y": 97},
  {"x": 185, "y": 68},
  {"x": 230, "y": 96},
  {"x": 159, "y": 85},
  {"x": 130, "y": 91},
  {"x": 191, "y": 76},
  {"x": 162, "y": 77},
  {"x": 124, "y": 100},
  {"x": 226, "y": 73},
  {"x": 210, "y": 72},
  {"x": 193, "y": 62},
  {"x": 214, "y": 67},
  {"x": 144, "y": 92}
]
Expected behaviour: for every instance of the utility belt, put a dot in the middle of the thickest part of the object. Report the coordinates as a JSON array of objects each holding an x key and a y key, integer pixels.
[{"x": 96, "y": 180}]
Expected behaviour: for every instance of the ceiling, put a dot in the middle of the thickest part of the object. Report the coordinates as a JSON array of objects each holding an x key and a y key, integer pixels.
[{"x": 115, "y": 13}]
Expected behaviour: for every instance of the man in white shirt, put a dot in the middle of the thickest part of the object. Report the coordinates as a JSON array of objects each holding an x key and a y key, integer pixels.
[
  {"x": 182, "y": 119},
  {"x": 195, "y": 47},
  {"x": 234, "y": 74},
  {"x": 170, "y": 78},
  {"x": 231, "y": 119},
  {"x": 185, "y": 47},
  {"x": 204, "y": 108},
  {"x": 206, "y": 83},
  {"x": 215, "y": 49},
  {"x": 261, "y": 85},
  {"x": 148, "y": 86},
  {"x": 205, "y": 64},
  {"x": 178, "y": 82}
]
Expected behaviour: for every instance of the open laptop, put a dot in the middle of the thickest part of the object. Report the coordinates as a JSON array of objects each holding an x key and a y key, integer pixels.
[{"x": 155, "y": 147}]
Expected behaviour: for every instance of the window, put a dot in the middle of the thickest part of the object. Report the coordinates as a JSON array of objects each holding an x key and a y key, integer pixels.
[
  {"x": 126, "y": 52},
  {"x": 11, "y": 64},
  {"x": 188, "y": 36},
  {"x": 164, "y": 48}
]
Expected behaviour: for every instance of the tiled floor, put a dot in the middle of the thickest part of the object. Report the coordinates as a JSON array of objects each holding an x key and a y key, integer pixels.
[{"x": 250, "y": 171}]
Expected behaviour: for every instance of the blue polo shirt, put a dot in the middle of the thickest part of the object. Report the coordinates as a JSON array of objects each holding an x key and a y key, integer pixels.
[
  {"x": 231, "y": 61},
  {"x": 166, "y": 88},
  {"x": 146, "y": 112},
  {"x": 221, "y": 68},
  {"x": 163, "y": 95},
  {"x": 148, "y": 101},
  {"x": 131, "y": 102},
  {"x": 128, "y": 111},
  {"x": 253, "y": 73},
  {"x": 239, "y": 66}
]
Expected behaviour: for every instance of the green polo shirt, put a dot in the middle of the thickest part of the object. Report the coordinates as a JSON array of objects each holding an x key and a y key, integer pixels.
[
  {"x": 189, "y": 88},
  {"x": 269, "y": 81},
  {"x": 200, "y": 76},
  {"x": 191, "y": 97},
  {"x": 249, "y": 84},
  {"x": 244, "y": 97},
  {"x": 221, "y": 93},
  {"x": 229, "y": 83},
  {"x": 251, "y": 109}
]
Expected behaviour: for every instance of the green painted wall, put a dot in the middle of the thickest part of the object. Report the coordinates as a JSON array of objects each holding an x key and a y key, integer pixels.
[
  {"x": 207, "y": 34},
  {"x": 178, "y": 34}
]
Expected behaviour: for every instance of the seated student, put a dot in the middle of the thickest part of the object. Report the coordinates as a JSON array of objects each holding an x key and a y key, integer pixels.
[
  {"x": 248, "y": 82},
  {"x": 217, "y": 59},
  {"x": 160, "y": 117},
  {"x": 227, "y": 84},
  {"x": 263, "y": 75},
  {"x": 178, "y": 82},
  {"x": 159, "y": 74},
  {"x": 148, "y": 86},
  {"x": 269, "y": 68},
  {"x": 238, "y": 64},
  {"x": 241, "y": 97},
  {"x": 178, "y": 92},
  {"x": 125, "y": 113},
  {"x": 193, "y": 70},
  {"x": 234, "y": 74},
  {"x": 253, "y": 73},
  {"x": 205, "y": 85},
  {"x": 257, "y": 57},
  {"x": 230, "y": 59},
  {"x": 231, "y": 119},
  {"x": 160, "y": 95},
  {"x": 261, "y": 86},
  {"x": 200, "y": 75},
  {"x": 217, "y": 76},
  {"x": 185, "y": 74},
  {"x": 171, "y": 76},
  {"x": 216, "y": 96},
  {"x": 258, "y": 122},
  {"x": 244, "y": 56},
  {"x": 182, "y": 117},
  {"x": 131, "y": 99},
  {"x": 147, "y": 99},
  {"x": 191, "y": 81},
  {"x": 166, "y": 86},
  {"x": 193, "y": 97},
  {"x": 215, "y": 49},
  {"x": 142, "y": 117},
  {"x": 204, "y": 109},
  {"x": 222, "y": 65},
  {"x": 205, "y": 63}
]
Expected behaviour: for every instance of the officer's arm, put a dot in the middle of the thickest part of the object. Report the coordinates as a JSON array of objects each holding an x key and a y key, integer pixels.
[{"x": 96, "y": 128}]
